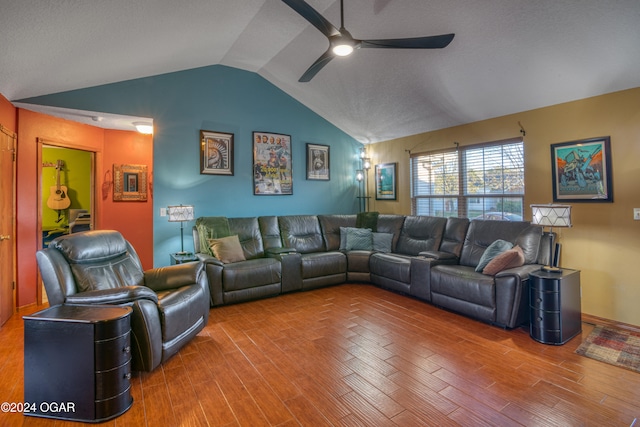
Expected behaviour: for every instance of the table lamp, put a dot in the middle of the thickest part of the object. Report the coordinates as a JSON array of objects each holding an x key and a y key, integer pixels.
[
  {"x": 181, "y": 214},
  {"x": 552, "y": 216}
]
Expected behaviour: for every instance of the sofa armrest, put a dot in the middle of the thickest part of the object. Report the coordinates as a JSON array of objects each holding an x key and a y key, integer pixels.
[
  {"x": 439, "y": 255},
  {"x": 121, "y": 295},
  {"x": 277, "y": 252},
  {"x": 208, "y": 259},
  {"x": 173, "y": 276},
  {"x": 512, "y": 295}
]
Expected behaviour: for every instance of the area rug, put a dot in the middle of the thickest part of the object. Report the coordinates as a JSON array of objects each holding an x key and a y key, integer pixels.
[{"x": 614, "y": 346}]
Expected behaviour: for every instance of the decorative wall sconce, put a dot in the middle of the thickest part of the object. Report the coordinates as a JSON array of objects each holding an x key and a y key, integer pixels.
[
  {"x": 361, "y": 177},
  {"x": 366, "y": 163}
]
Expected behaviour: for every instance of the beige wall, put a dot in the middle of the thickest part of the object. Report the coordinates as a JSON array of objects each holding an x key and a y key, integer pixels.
[{"x": 604, "y": 242}]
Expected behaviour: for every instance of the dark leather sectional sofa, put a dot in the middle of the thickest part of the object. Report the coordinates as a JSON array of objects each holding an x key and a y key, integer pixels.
[{"x": 431, "y": 258}]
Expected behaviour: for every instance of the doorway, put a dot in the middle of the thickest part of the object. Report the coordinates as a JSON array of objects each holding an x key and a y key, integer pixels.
[
  {"x": 7, "y": 224},
  {"x": 67, "y": 203}
]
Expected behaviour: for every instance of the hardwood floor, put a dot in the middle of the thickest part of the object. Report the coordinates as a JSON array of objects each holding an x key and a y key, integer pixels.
[{"x": 356, "y": 355}]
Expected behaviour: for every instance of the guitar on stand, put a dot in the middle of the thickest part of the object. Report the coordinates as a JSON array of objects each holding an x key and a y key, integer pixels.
[{"x": 58, "y": 195}]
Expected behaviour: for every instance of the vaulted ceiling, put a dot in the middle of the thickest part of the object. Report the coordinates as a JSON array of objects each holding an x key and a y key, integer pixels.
[{"x": 507, "y": 55}]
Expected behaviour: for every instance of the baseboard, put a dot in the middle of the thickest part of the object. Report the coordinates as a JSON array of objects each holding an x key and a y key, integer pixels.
[{"x": 595, "y": 320}]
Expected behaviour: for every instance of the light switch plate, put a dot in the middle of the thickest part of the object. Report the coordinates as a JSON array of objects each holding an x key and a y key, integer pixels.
[
  {"x": 636, "y": 214},
  {"x": 163, "y": 211}
]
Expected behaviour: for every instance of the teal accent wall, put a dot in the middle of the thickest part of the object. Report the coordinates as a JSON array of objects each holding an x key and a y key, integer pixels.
[{"x": 220, "y": 98}]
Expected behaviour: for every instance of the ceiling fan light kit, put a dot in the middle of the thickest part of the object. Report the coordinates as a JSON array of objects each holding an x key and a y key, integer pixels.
[{"x": 341, "y": 43}]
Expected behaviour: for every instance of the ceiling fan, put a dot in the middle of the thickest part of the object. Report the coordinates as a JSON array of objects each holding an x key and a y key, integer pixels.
[{"x": 341, "y": 43}]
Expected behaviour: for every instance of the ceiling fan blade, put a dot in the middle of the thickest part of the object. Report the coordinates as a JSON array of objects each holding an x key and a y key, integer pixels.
[
  {"x": 314, "y": 18},
  {"x": 430, "y": 42},
  {"x": 317, "y": 66}
]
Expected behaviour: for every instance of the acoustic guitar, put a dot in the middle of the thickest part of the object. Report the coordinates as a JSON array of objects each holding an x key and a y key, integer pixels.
[{"x": 58, "y": 196}]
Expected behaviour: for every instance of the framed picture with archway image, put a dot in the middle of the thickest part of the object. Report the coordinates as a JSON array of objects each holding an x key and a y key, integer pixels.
[
  {"x": 386, "y": 181},
  {"x": 318, "y": 162},
  {"x": 216, "y": 153},
  {"x": 582, "y": 170}
]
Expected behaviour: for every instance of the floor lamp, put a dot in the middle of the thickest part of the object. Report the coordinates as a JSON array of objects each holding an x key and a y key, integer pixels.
[
  {"x": 181, "y": 214},
  {"x": 552, "y": 216}
]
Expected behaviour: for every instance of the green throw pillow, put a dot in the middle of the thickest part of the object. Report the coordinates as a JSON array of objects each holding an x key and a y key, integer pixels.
[
  {"x": 492, "y": 251},
  {"x": 367, "y": 220}
]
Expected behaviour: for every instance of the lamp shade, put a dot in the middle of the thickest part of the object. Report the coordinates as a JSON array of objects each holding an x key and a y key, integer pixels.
[
  {"x": 551, "y": 215},
  {"x": 180, "y": 213},
  {"x": 359, "y": 175}
]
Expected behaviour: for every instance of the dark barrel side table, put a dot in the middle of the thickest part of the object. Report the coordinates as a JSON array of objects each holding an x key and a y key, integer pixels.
[
  {"x": 77, "y": 362},
  {"x": 555, "y": 306}
]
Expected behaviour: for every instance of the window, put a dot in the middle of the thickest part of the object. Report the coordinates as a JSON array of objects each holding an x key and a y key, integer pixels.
[{"x": 480, "y": 181}]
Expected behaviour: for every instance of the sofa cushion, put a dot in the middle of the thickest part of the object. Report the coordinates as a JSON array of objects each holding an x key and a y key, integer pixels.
[
  {"x": 227, "y": 249},
  {"x": 392, "y": 266},
  {"x": 529, "y": 240},
  {"x": 463, "y": 283},
  {"x": 420, "y": 234},
  {"x": 251, "y": 274},
  {"x": 323, "y": 264},
  {"x": 302, "y": 233},
  {"x": 359, "y": 239},
  {"x": 331, "y": 225},
  {"x": 492, "y": 251},
  {"x": 382, "y": 242},
  {"x": 514, "y": 257}
]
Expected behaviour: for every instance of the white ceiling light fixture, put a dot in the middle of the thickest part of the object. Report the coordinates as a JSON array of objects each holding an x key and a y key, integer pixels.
[{"x": 144, "y": 127}]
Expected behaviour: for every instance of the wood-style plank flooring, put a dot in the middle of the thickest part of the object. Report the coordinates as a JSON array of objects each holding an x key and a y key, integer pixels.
[{"x": 357, "y": 355}]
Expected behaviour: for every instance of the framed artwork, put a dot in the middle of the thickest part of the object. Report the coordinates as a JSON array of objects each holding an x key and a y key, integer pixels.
[
  {"x": 272, "y": 169},
  {"x": 318, "y": 162},
  {"x": 216, "y": 153},
  {"x": 386, "y": 177},
  {"x": 129, "y": 183},
  {"x": 582, "y": 170}
]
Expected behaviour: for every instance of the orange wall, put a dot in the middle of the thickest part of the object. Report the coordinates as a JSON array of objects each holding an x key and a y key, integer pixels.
[
  {"x": 133, "y": 219},
  {"x": 135, "y": 223},
  {"x": 7, "y": 114}
]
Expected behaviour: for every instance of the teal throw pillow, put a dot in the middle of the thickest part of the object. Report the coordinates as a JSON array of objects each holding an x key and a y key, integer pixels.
[
  {"x": 343, "y": 237},
  {"x": 382, "y": 242},
  {"x": 492, "y": 251},
  {"x": 359, "y": 239}
]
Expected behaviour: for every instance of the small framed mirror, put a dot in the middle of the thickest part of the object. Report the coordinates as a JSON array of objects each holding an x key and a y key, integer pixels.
[{"x": 129, "y": 183}]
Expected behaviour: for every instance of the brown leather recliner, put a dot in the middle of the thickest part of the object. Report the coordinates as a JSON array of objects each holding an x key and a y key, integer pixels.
[{"x": 170, "y": 304}]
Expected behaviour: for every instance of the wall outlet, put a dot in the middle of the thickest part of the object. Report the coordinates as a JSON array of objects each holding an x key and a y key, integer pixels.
[
  {"x": 163, "y": 211},
  {"x": 636, "y": 214}
]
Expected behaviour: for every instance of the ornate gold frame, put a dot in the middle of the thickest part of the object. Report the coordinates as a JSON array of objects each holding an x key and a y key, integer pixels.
[{"x": 129, "y": 183}]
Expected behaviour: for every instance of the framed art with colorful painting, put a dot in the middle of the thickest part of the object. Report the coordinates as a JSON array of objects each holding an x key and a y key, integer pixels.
[{"x": 582, "y": 170}]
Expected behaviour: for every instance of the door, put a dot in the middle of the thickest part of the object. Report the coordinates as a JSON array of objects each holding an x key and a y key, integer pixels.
[{"x": 7, "y": 233}]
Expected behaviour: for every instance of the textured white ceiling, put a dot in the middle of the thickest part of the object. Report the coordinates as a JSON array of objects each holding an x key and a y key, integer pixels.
[{"x": 507, "y": 56}]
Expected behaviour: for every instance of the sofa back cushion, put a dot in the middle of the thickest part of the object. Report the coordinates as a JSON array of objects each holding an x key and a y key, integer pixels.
[
  {"x": 482, "y": 233},
  {"x": 301, "y": 232},
  {"x": 454, "y": 234},
  {"x": 100, "y": 259},
  {"x": 391, "y": 224},
  {"x": 330, "y": 225},
  {"x": 420, "y": 233},
  {"x": 248, "y": 232},
  {"x": 270, "y": 232}
]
